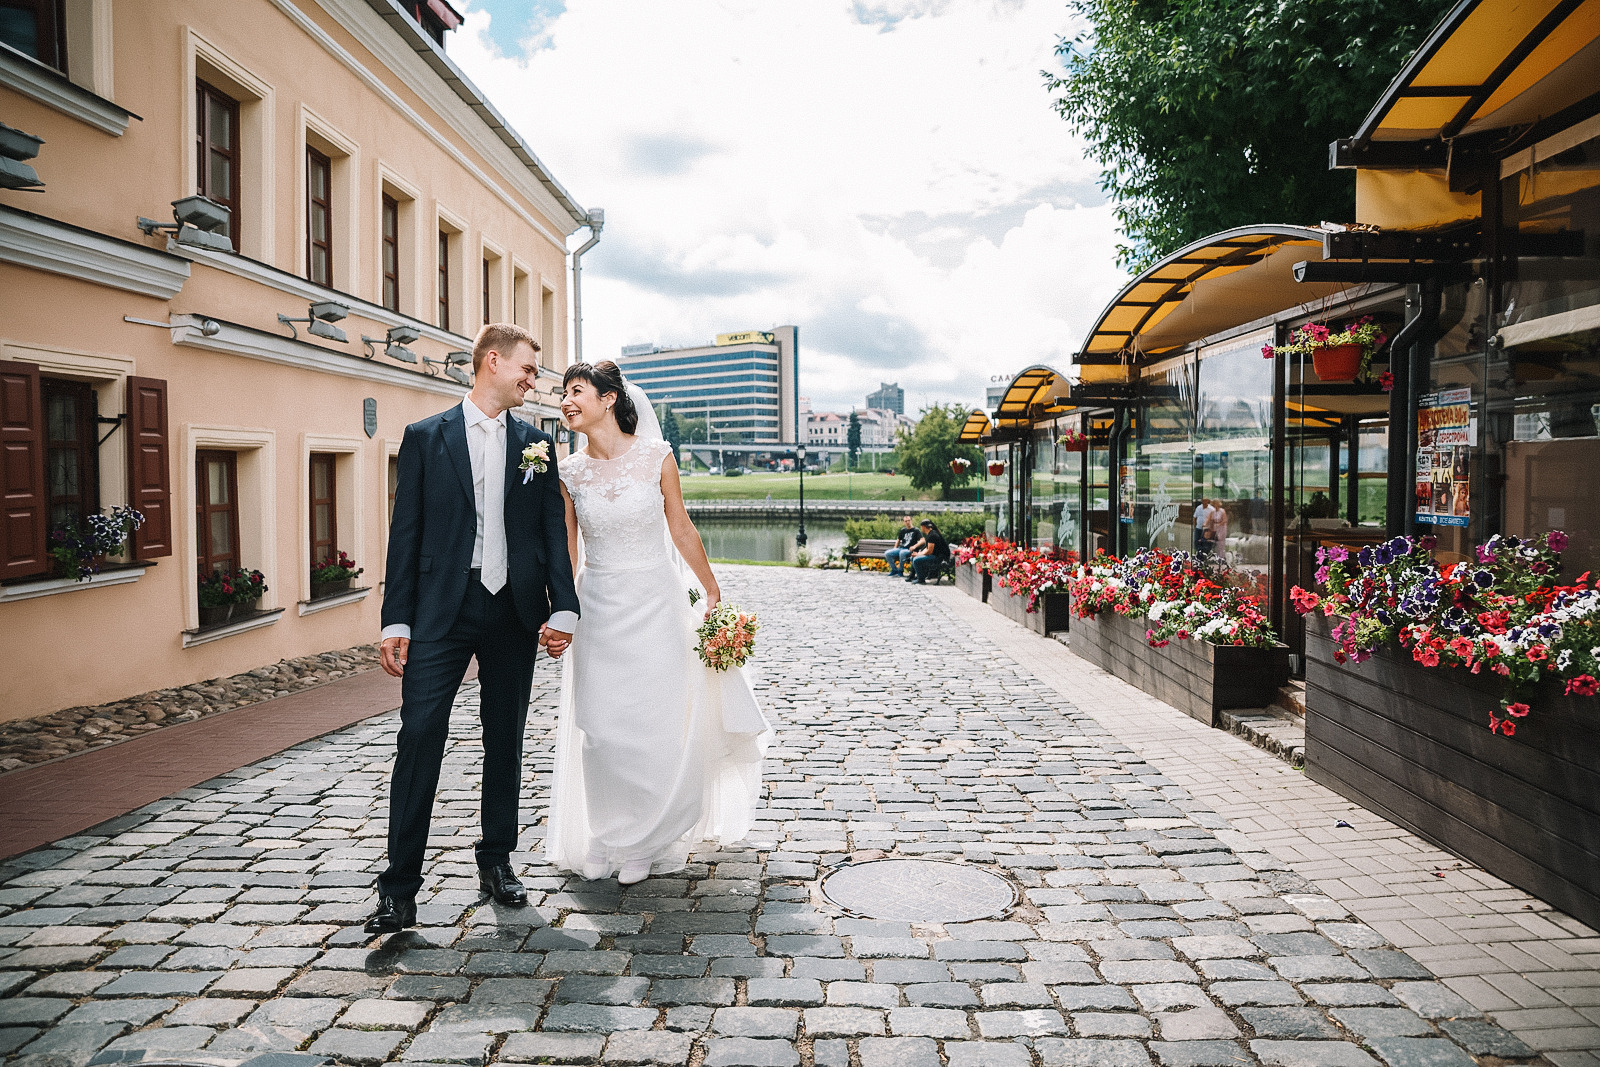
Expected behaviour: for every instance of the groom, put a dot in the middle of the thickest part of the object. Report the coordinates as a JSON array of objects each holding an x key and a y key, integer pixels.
[{"x": 477, "y": 564}]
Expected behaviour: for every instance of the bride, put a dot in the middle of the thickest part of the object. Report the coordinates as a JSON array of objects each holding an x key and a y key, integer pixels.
[{"x": 655, "y": 752}]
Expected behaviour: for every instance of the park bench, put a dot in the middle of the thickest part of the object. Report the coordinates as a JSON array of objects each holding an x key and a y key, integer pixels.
[
  {"x": 874, "y": 548},
  {"x": 867, "y": 548}
]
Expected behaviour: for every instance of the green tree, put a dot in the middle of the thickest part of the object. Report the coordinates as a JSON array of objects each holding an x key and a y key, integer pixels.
[
  {"x": 693, "y": 431},
  {"x": 852, "y": 439},
  {"x": 671, "y": 429},
  {"x": 926, "y": 451},
  {"x": 1209, "y": 114}
]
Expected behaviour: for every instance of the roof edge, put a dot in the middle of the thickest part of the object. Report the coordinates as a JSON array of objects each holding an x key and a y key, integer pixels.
[{"x": 434, "y": 55}]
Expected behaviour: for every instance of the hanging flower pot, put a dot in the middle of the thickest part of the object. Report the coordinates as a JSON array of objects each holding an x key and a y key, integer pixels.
[
  {"x": 997, "y": 467},
  {"x": 1337, "y": 363},
  {"x": 960, "y": 464},
  {"x": 1073, "y": 441}
]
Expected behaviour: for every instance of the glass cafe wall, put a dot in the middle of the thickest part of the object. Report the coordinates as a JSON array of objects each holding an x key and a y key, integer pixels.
[
  {"x": 1057, "y": 475},
  {"x": 1203, "y": 445},
  {"x": 1510, "y": 432}
]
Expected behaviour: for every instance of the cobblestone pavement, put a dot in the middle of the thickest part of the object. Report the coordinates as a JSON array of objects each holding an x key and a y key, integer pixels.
[
  {"x": 224, "y": 920},
  {"x": 62, "y": 733}
]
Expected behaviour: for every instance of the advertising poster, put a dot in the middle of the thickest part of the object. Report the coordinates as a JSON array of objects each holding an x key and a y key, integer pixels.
[
  {"x": 1130, "y": 487},
  {"x": 1445, "y": 438}
]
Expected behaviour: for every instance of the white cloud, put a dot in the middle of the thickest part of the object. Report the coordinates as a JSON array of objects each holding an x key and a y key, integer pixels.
[{"x": 887, "y": 174}]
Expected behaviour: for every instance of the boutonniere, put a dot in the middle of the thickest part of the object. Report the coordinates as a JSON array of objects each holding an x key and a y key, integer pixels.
[{"x": 535, "y": 460}]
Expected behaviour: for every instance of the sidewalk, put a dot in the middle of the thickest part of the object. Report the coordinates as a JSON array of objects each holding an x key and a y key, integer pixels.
[
  {"x": 66, "y": 796},
  {"x": 1535, "y": 969}
]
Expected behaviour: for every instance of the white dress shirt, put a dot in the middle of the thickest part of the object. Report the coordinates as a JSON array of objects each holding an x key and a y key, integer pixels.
[{"x": 564, "y": 621}]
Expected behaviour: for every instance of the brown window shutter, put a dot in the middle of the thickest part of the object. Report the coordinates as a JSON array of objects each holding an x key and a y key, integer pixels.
[
  {"x": 149, "y": 477},
  {"x": 24, "y": 547}
]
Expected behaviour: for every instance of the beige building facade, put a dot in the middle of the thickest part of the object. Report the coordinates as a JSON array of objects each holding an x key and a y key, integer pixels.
[{"x": 366, "y": 180}]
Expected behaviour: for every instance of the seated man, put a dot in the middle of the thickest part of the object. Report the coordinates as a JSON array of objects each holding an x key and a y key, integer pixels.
[
  {"x": 931, "y": 556},
  {"x": 905, "y": 540}
]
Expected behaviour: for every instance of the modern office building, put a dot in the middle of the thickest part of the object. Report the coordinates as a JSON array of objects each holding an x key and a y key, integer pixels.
[
  {"x": 889, "y": 397},
  {"x": 743, "y": 384}
]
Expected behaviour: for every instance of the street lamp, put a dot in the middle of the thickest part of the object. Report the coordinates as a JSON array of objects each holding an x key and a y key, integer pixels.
[{"x": 800, "y": 461}]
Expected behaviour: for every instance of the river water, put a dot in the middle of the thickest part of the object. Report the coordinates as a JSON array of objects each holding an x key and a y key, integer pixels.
[{"x": 764, "y": 540}]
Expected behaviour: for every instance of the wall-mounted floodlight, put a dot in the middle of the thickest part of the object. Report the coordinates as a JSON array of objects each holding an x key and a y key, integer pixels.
[
  {"x": 16, "y": 148},
  {"x": 394, "y": 343},
  {"x": 199, "y": 222},
  {"x": 459, "y": 375},
  {"x": 459, "y": 358},
  {"x": 319, "y": 319}
]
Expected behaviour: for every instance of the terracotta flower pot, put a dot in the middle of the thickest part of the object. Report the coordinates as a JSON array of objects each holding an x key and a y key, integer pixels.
[
  {"x": 1340, "y": 363},
  {"x": 997, "y": 468}
]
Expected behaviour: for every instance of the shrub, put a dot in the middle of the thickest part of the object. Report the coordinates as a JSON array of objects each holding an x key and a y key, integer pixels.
[{"x": 956, "y": 526}]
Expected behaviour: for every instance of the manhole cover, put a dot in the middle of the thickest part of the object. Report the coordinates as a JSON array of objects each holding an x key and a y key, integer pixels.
[{"x": 919, "y": 891}]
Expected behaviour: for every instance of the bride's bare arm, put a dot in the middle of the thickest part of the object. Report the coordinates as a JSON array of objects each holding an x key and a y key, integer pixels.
[{"x": 684, "y": 535}]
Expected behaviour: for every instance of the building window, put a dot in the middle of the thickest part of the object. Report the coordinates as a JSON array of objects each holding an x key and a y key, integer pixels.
[
  {"x": 444, "y": 280},
  {"x": 36, "y": 28},
  {"x": 217, "y": 131},
  {"x": 72, "y": 473},
  {"x": 324, "y": 509},
  {"x": 319, "y": 217},
  {"x": 391, "y": 253},
  {"x": 216, "y": 479},
  {"x": 486, "y": 292}
]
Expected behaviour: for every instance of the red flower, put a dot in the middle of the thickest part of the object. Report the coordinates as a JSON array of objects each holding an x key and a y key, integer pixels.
[
  {"x": 1386, "y": 380},
  {"x": 1584, "y": 685},
  {"x": 1519, "y": 710},
  {"x": 1538, "y": 654},
  {"x": 1304, "y": 602},
  {"x": 1508, "y": 727}
]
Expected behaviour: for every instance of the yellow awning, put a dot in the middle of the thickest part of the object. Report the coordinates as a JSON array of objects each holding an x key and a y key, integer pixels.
[
  {"x": 1491, "y": 65},
  {"x": 1038, "y": 392},
  {"x": 1227, "y": 279},
  {"x": 975, "y": 429}
]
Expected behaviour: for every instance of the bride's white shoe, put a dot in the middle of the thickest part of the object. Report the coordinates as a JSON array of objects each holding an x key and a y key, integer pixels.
[
  {"x": 595, "y": 866},
  {"x": 633, "y": 873}
]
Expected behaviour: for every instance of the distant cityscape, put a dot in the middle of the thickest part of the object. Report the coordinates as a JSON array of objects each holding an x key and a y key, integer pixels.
[{"x": 743, "y": 386}]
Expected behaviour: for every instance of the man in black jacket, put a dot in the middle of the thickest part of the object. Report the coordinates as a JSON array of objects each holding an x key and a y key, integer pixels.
[
  {"x": 477, "y": 564},
  {"x": 930, "y": 554}
]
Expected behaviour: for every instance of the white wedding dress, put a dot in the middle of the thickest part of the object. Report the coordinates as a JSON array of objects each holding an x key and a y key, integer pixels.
[{"x": 655, "y": 752}]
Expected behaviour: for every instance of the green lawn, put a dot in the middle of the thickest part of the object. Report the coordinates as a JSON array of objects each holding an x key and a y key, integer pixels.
[{"x": 759, "y": 486}]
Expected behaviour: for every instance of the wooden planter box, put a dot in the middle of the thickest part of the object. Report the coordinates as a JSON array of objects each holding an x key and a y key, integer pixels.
[
  {"x": 1197, "y": 678},
  {"x": 1412, "y": 743},
  {"x": 973, "y": 582},
  {"x": 1051, "y": 613}
]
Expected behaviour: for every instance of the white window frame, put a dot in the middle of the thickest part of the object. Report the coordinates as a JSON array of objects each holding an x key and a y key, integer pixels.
[
  {"x": 349, "y": 515},
  {"x": 344, "y": 162},
  {"x": 258, "y": 514},
  {"x": 258, "y": 156}
]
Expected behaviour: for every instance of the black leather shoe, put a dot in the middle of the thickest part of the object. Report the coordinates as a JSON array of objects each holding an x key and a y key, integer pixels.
[
  {"x": 392, "y": 916},
  {"x": 501, "y": 883}
]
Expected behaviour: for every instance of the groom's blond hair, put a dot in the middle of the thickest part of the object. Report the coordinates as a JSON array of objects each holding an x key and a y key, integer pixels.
[{"x": 499, "y": 337}]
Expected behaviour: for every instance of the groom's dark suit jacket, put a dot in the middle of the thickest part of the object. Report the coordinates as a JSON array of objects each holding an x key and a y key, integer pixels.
[{"x": 435, "y": 523}]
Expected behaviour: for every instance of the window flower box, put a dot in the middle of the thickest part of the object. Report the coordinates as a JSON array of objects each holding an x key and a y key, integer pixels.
[
  {"x": 1408, "y": 741},
  {"x": 1196, "y": 677}
]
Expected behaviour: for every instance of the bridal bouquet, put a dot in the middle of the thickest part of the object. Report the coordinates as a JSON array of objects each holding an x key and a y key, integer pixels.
[{"x": 727, "y": 638}]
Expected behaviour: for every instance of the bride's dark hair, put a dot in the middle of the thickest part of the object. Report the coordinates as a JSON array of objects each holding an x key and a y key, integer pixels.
[{"x": 606, "y": 377}]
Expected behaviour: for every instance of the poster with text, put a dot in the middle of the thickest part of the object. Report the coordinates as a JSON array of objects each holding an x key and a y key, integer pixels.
[{"x": 1445, "y": 432}]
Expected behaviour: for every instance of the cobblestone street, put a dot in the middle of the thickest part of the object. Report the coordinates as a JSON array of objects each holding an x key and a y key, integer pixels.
[{"x": 226, "y": 920}]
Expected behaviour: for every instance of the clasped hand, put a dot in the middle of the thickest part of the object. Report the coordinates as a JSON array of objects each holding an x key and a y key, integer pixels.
[{"x": 555, "y": 642}]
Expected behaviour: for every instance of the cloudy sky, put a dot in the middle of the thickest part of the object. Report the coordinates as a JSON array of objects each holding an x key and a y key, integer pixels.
[{"x": 886, "y": 174}]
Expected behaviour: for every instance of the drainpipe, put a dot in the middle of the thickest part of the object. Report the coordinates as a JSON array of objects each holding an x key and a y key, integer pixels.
[{"x": 596, "y": 222}]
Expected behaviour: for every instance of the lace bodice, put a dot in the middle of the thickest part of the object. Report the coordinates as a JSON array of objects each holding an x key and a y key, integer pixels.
[{"x": 619, "y": 505}]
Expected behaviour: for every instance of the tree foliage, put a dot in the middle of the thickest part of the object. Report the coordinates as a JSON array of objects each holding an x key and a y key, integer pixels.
[
  {"x": 1209, "y": 114},
  {"x": 925, "y": 452},
  {"x": 671, "y": 429},
  {"x": 853, "y": 439}
]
